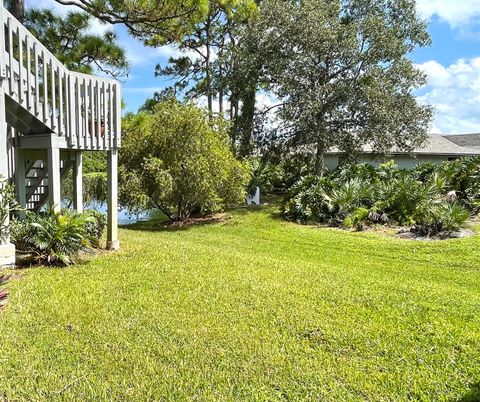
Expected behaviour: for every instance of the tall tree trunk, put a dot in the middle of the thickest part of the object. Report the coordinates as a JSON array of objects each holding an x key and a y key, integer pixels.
[
  {"x": 208, "y": 73},
  {"x": 220, "y": 102},
  {"x": 18, "y": 9},
  {"x": 246, "y": 119},
  {"x": 208, "y": 78}
]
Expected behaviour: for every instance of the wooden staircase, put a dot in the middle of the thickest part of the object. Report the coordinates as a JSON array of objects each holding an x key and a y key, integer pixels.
[{"x": 36, "y": 180}]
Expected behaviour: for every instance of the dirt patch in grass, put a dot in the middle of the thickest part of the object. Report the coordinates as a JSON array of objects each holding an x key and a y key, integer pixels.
[{"x": 409, "y": 235}]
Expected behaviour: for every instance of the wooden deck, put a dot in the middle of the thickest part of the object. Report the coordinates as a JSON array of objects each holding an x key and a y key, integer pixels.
[{"x": 56, "y": 114}]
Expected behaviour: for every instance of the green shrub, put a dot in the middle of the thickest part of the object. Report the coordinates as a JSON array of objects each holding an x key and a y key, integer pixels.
[
  {"x": 95, "y": 227},
  {"x": 278, "y": 174},
  {"x": 357, "y": 195},
  {"x": 307, "y": 201},
  {"x": 441, "y": 218},
  {"x": 399, "y": 197},
  {"x": 177, "y": 160},
  {"x": 8, "y": 204},
  {"x": 357, "y": 218},
  {"x": 51, "y": 238}
]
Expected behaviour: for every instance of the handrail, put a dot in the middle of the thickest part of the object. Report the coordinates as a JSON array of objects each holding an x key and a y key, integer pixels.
[{"x": 84, "y": 109}]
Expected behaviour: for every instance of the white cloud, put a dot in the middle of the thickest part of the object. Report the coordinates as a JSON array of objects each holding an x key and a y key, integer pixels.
[
  {"x": 454, "y": 12},
  {"x": 454, "y": 91}
]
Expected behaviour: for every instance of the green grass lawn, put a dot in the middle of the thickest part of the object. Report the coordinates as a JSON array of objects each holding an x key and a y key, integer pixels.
[{"x": 252, "y": 308}]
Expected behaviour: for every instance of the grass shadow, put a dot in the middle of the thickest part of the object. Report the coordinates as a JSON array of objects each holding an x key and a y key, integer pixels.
[
  {"x": 160, "y": 223},
  {"x": 473, "y": 395},
  {"x": 175, "y": 226}
]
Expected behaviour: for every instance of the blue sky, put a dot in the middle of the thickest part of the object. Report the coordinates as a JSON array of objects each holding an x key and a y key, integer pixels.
[{"x": 452, "y": 63}]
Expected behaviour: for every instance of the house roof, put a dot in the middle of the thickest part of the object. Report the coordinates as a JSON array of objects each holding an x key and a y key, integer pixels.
[
  {"x": 435, "y": 145},
  {"x": 465, "y": 140}
]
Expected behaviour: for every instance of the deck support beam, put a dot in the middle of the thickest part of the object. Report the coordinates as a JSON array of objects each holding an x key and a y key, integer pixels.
[
  {"x": 112, "y": 229},
  {"x": 20, "y": 181},
  {"x": 54, "y": 182},
  {"x": 78, "y": 182}
]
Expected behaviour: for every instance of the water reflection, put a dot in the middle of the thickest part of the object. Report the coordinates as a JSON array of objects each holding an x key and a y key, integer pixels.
[{"x": 124, "y": 218}]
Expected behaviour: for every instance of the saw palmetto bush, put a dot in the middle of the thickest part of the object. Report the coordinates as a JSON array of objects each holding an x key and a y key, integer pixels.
[
  {"x": 359, "y": 195},
  {"x": 52, "y": 238}
]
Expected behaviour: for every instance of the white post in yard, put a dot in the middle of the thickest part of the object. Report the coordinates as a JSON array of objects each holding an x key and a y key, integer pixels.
[
  {"x": 54, "y": 192},
  {"x": 77, "y": 182},
  {"x": 112, "y": 229}
]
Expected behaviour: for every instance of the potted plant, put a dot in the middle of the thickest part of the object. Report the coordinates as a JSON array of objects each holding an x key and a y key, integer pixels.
[
  {"x": 94, "y": 127},
  {"x": 8, "y": 204}
]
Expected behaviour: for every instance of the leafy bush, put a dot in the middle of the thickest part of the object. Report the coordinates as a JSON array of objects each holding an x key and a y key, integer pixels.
[
  {"x": 95, "y": 227},
  {"x": 8, "y": 204},
  {"x": 175, "y": 159},
  {"x": 442, "y": 217},
  {"x": 278, "y": 173},
  {"x": 461, "y": 176},
  {"x": 51, "y": 238},
  {"x": 307, "y": 201},
  {"x": 358, "y": 195},
  {"x": 357, "y": 218}
]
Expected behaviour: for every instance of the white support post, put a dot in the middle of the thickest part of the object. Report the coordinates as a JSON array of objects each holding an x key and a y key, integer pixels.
[
  {"x": 20, "y": 182},
  {"x": 54, "y": 192},
  {"x": 112, "y": 230},
  {"x": 78, "y": 182}
]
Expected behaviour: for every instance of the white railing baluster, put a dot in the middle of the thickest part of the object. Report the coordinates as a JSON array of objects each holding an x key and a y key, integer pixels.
[
  {"x": 85, "y": 116},
  {"x": 54, "y": 98},
  {"x": 110, "y": 132},
  {"x": 37, "y": 81},
  {"x": 21, "y": 97},
  {"x": 79, "y": 125},
  {"x": 91, "y": 112},
  {"x": 98, "y": 114},
  {"x": 45, "y": 87},
  {"x": 60, "y": 101},
  {"x": 10, "y": 58},
  {"x": 104, "y": 96},
  {"x": 29, "y": 73},
  {"x": 118, "y": 116},
  {"x": 70, "y": 110}
]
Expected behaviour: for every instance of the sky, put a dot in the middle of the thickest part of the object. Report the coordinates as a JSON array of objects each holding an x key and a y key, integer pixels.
[{"x": 452, "y": 63}]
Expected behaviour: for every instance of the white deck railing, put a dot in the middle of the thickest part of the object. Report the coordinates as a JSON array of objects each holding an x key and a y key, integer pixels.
[{"x": 84, "y": 109}]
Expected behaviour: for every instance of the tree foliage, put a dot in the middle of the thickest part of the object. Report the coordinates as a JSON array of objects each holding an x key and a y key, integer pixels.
[
  {"x": 340, "y": 71},
  {"x": 175, "y": 160},
  {"x": 153, "y": 21},
  {"x": 68, "y": 38},
  {"x": 203, "y": 69}
]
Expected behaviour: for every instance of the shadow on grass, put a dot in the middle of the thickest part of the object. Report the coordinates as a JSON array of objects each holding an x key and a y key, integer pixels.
[
  {"x": 160, "y": 223},
  {"x": 175, "y": 226},
  {"x": 471, "y": 396}
]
